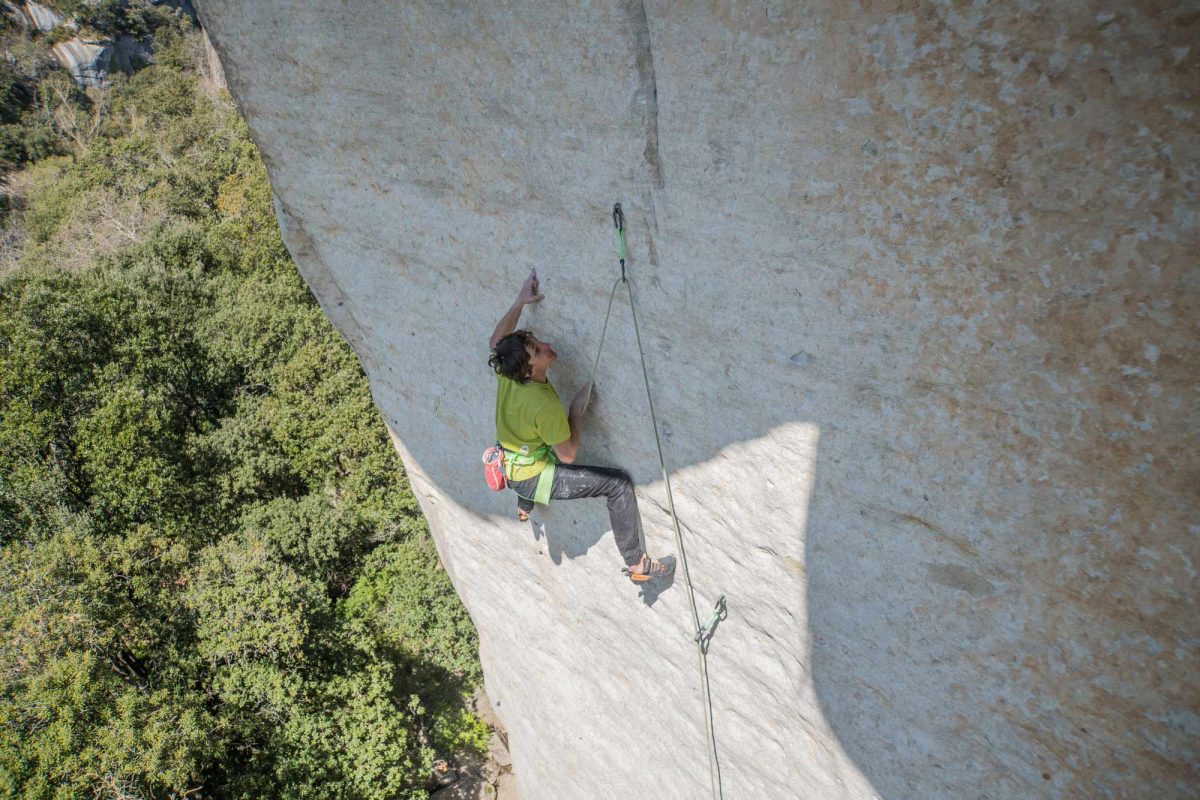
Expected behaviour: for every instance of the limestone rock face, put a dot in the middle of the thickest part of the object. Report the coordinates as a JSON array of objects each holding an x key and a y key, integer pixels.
[
  {"x": 213, "y": 73},
  {"x": 918, "y": 291},
  {"x": 41, "y": 17},
  {"x": 88, "y": 62}
]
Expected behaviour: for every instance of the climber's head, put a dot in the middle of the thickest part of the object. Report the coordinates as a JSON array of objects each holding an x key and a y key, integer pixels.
[
  {"x": 520, "y": 355},
  {"x": 541, "y": 355}
]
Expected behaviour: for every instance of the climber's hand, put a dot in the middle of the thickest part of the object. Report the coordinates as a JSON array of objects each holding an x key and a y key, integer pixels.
[
  {"x": 579, "y": 402},
  {"x": 529, "y": 290}
]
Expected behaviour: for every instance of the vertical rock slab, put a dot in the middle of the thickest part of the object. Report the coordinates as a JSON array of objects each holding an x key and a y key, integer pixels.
[
  {"x": 41, "y": 17},
  {"x": 88, "y": 62},
  {"x": 917, "y": 285}
]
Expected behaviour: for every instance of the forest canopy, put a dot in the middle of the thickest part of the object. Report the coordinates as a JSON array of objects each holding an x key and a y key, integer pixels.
[{"x": 214, "y": 577}]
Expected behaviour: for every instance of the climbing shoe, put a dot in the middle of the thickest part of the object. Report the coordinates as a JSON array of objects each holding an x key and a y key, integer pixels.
[{"x": 649, "y": 569}]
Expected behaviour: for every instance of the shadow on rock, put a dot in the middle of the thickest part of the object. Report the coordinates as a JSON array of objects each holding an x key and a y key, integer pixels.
[
  {"x": 651, "y": 589},
  {"x": 572, "y": 541}
]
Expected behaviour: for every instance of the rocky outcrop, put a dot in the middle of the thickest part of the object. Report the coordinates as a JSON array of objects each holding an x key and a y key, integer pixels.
[
  {"x": 91, "y": 60},
  {"x": 41, "y": 17},
  {"x": 88, "y": 62},
  {"x": 488, "y": 778},
  {"x": 212, "y": 72},
  {"x": 918, "y": 292}
]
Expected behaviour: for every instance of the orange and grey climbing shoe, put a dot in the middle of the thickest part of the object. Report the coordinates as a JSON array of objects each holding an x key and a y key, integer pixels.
[{"x": 649, "y": 569}]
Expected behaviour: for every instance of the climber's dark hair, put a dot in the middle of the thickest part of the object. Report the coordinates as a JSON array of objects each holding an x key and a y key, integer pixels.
[{"x": 510, "y": 357}]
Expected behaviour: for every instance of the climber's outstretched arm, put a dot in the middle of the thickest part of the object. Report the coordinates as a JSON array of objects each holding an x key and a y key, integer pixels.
[{"x": 508, "y": 323}]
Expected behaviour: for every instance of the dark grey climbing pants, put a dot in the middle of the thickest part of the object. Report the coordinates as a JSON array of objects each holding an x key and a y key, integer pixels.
[{"x": 573, "y": 481}]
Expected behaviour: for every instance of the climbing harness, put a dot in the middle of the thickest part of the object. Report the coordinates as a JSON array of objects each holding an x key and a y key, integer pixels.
[
  {"x": 523, "y": 458},
  {"x": 498, "y": 463},
  {"x": 704, "y": 632}
]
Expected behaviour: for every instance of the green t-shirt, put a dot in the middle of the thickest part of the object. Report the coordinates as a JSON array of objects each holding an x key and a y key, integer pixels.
[{"x": 529, "y": 415}]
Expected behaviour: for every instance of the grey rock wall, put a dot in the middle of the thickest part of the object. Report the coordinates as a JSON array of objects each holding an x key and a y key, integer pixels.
[
  {"x": 41, "y": 17},
  {"x": 918, "y": 287},
  {"x": 88, "y": 62}
]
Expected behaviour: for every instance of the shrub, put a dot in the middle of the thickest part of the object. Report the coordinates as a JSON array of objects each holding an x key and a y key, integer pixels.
[{"x": 212, "y": 570}]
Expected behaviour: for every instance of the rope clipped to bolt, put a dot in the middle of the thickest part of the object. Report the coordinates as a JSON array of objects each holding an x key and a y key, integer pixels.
[{"x": 703, "y": 632}]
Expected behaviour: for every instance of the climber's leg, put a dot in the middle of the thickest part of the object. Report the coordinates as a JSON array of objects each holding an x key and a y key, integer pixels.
[
  {"x": 524, "y": 491},
  {"x": 573, "y": 481}
]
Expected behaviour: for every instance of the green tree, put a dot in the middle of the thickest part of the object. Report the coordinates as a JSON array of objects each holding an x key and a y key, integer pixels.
[{"x": 213, "y": 572}]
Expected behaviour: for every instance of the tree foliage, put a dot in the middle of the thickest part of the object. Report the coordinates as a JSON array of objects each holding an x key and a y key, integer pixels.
[{"x": 213, "y": 573}]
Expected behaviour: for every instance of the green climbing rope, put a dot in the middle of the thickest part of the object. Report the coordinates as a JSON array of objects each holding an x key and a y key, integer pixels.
[{"x": 703, "y": 633}]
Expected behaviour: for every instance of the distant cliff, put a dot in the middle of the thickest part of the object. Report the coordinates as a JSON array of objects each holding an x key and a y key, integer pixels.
[
  {"x": 90, "y": 54},
  {"x": 918, "y": 295}
]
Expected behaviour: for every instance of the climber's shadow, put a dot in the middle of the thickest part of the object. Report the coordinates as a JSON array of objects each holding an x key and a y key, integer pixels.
[
  {"x": 571, "y": 540},
  {"x": 578, "y": 538}
]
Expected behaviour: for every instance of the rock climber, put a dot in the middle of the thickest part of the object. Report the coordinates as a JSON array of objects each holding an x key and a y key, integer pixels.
[{"x": 541, "y": 441}]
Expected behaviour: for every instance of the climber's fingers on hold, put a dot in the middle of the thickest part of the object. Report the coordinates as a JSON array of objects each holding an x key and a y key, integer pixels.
[{"x": 529, "y": 289}]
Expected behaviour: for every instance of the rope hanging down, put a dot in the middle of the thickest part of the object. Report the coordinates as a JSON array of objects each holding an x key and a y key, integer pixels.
[{"x": 704, "y": 632}]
